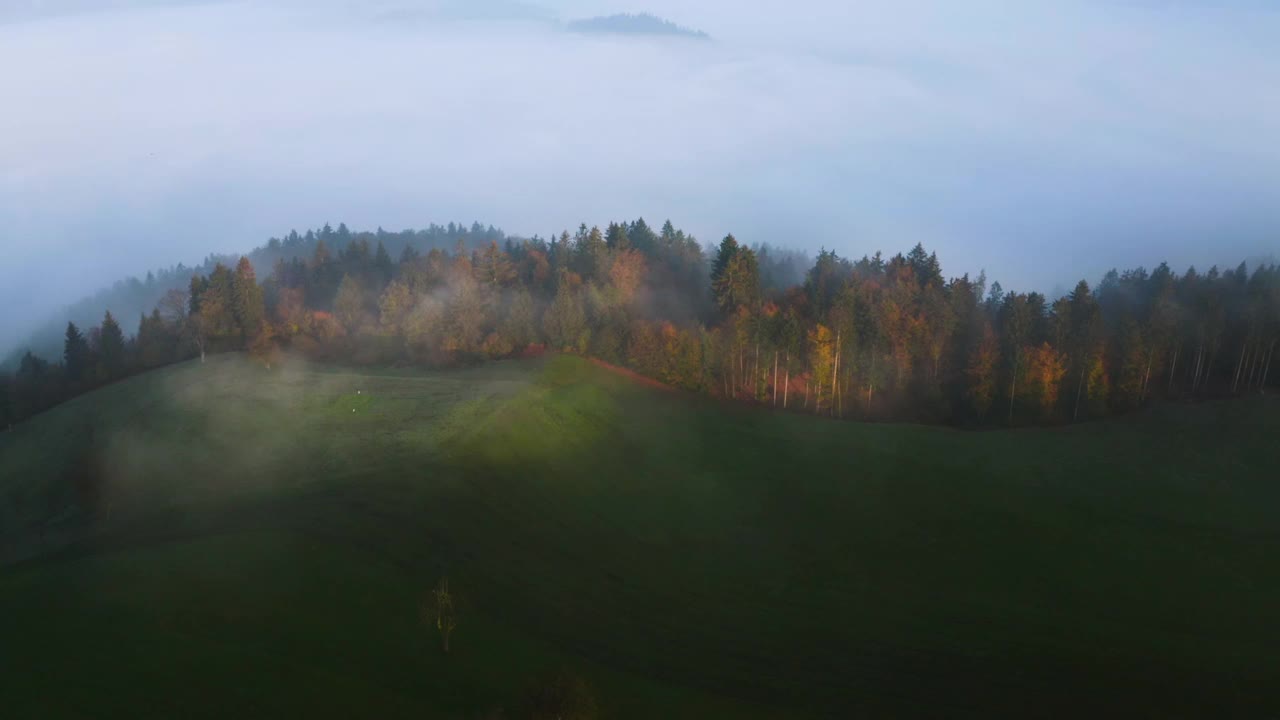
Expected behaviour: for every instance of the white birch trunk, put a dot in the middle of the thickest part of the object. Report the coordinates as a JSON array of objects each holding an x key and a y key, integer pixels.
[
  {"x": 835, "y": 369},
  {"x": 1235, "y": 382},
  {"x": 775, "y": 378},
  {"x": 786, "y": 384}
]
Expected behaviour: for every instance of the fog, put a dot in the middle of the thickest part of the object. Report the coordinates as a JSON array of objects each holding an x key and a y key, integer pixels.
[{"x": 1042, "y": 144}]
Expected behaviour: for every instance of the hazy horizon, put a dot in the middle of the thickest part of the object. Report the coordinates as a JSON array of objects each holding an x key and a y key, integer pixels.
[{"x": 1041, "y": 144}]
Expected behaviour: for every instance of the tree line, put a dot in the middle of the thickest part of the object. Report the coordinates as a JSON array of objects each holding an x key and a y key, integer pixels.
[{"x": 874, "y": 338}]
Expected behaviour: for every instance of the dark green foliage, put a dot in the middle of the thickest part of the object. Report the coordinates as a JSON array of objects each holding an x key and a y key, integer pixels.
[
  {"x": 111, "y": 348},
  {"x": 6, "y": 401},
  {"x": 383, "y": 267},
  {"x": 735, "y": 277},
  {"x": 76, "y": 356}
]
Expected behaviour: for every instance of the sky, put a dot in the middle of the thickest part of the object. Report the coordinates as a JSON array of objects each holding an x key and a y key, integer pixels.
[{"x": 1042, "y": 142}]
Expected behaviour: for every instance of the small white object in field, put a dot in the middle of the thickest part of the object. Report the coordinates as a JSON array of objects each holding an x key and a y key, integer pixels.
[
  {"x": 353, "y": 409},
  {"x": 357, "y": 392}
]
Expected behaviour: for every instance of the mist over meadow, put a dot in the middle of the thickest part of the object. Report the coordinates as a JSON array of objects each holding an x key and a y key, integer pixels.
[{"x": 1043, "y": 144}]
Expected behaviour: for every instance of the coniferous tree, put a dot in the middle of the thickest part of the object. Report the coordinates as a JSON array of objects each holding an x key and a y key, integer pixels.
[
  {"x": 7, "y": 416},
  {"x": 247, "y": 301},
  {"x": 111, "y": 347},
  {"x": 383, "y": 268},
  {"x": 76, "y": 356}
]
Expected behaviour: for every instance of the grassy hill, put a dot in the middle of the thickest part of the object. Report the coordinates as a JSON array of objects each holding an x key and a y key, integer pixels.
[{"x": 215, "y": 540}]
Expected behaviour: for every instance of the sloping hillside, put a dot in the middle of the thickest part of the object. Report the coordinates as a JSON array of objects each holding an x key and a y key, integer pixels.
[{"x": 218, "y": 539}]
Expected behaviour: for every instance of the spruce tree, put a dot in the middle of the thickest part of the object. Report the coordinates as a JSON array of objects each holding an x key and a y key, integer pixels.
[
  {"x": 247, "y": 301},
  {"x": 76, "y": 355},
  {"x": 111, "y": 347}
]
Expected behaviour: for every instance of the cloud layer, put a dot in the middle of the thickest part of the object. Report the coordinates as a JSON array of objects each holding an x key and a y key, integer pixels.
[{"x": 1043, "y": 144}]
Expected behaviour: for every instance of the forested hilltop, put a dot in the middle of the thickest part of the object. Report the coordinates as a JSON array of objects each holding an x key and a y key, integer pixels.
[
  {"x": 875, "y": 338},
  {"x": 136, "y": 296},
  {"x": 628, "y": 24}
]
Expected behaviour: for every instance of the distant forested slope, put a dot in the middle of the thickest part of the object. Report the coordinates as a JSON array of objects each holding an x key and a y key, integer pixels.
[
  {"x": 873, "y": 338},
  {"x": 133, "y": 297},
  {"x": 627, "y": 24}
]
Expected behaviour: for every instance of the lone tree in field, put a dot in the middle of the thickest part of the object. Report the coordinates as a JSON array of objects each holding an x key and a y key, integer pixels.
[{"x": 446, "y": 618}]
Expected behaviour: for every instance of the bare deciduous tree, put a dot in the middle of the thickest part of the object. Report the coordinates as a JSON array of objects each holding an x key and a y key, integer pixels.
[{"x": 441, "y": 603}]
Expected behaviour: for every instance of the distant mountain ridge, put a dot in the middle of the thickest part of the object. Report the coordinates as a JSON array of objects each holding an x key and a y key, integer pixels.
[{"x": 628, "y": 24}]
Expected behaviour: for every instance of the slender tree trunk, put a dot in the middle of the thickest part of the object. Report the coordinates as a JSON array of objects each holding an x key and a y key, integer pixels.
[
  {"x": 1173, "y": 367},
  {"x": 835, "y": 368},
  {"x": 786, "y": 384},
  {"x": 1235, "y": 381},
  {"x": 1146, "y": 378},
  {"x": 871, "y": 379},
  {"x": 1267, "y": 372},
  {"x": 840, "y": 397},
  {"x": 755, "y": 375},
  {"x": 835, "y": 386},
  {"x": 1013, "y": 388},
  {"x": 817, "y": 398},
  {"x": 1200, "y": 363},
  {"x": 742, "y": 369},
  {"x": 775, "y": 378},
  {"x": 806, "y": 394},
  {"x": 1079, "y": 391}
]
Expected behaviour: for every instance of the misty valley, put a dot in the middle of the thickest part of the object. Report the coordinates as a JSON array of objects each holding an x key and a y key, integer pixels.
[{"x": 953, "y": 394}]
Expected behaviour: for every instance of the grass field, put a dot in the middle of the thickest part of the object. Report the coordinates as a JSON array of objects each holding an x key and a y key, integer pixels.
[{"x": 218, "y": 540}]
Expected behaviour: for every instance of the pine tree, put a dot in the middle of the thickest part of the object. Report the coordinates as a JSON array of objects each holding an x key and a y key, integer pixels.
[
  {"x": 7, "y": 416},
  {"x": 494, "y": 268},
  {"x": 735, "y": 277},
  {"x": 616, "y": 237},
  {"x": 111, "y": 347},
  {"x": 76, "y": 356},
  {"x": 591, "y": 255},
  {"x": 199, "y": 284},
  {"x": 247, "y": 302},
  {"x": 382, "y": 265}
]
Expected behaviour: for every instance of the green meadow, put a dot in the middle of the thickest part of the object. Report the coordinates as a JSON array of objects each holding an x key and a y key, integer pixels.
[{"x": 220, "y": 540}]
